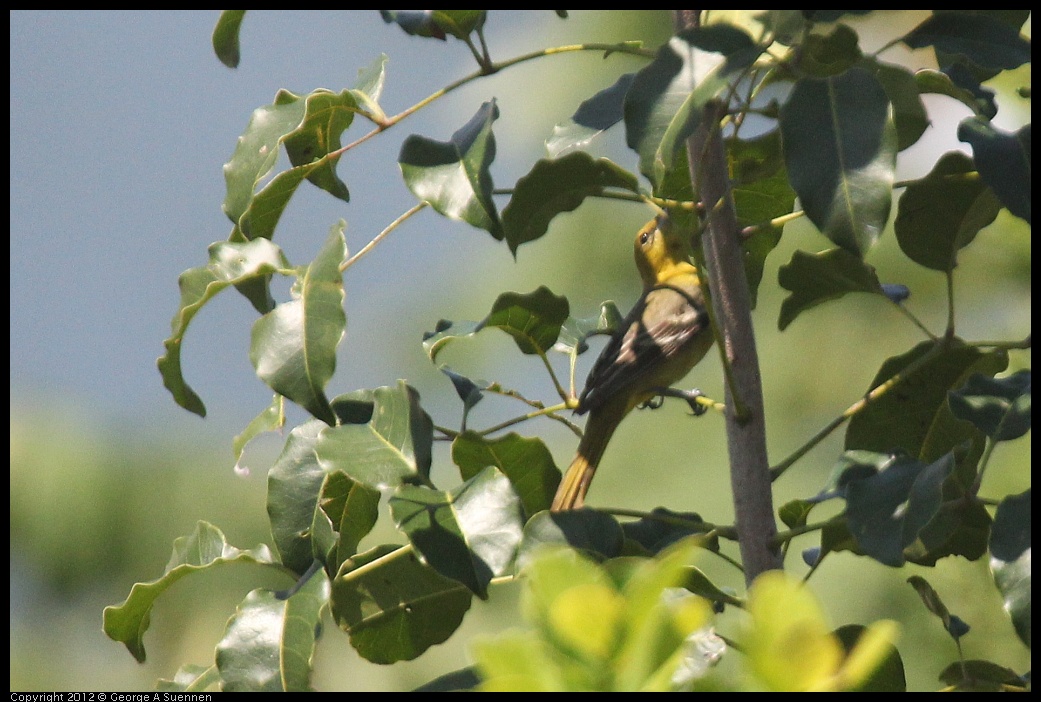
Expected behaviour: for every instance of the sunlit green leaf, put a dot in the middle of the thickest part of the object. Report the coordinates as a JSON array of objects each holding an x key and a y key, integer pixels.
[
  {"x": 391, "y": 447},
  {"x": 593, "y": 116},
  {"x": 204, "y": 549},
  {"x": 271, "y": 418},
  {"x": 230, "y": 264},
  {"x": 533, "y": 320},
  {"x": 525, "y": 461},
  {"x": 268, "y": 645},
  {"x": 470, "y": 533},
  {"x": 293, "y": 347},
  {"x": 454, "y": 176}
]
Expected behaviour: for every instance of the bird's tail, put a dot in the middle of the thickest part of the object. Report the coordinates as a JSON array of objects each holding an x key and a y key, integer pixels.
[{"x": 571, "y": 493}]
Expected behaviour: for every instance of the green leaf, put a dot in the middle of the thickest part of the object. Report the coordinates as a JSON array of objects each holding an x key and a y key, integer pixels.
[
  {"x": 293, "y": 347},
  {"x": 190, "y": 678},
  {"x": 663, "y": 105},
  {"x": 293, "y": 486},
  {"x": 829, "y": 54},
  {"x": 436, "y": 24},
  {"x": 584, "y": 529},
  {"x": 761, "y": 194},
  {"x": 393, "y": 606},
  {"x": 526, "y": 462},
  {"x": 840, "y": 150},
  {"x": 326, "y": 116},
  {"x": 662, "y": 528},
  {"x": 986, "y": 41},
  {"x": 1003, "y": 159},
  {"x": 976, "y": 99},
  {"x": 913, "y": 416},
  {"x": 464, "y": 679},
  {"x": 556, "y": 186},
  {"x": 931, "y": 599},
  {"x": 369, "y": 87},
  {"x": 576, "y": 330},
  {"x": 1010, "y": 559},
  {"x": 594, "y": 116},
  {"x": 352, "y": 509},
  {"x": 230, "y": 264},
  {"x": 470, "y": 533},
  {"x": 817, "y": 278},
  {"x": 203, "y": 549},
  {"x": 226, "y": 37},
  {"x": 941, "y": 214},
  {"x": 533, "y": 320},
  {"x": 888, "y": 676},
  {"x": 391, "y": 447},
  {"x": 999, "y": 407},
  {"x": 983, "y": 676},
  {"x": 269, "y": 644},
  {"x": 909, "y": 114},
  {"x": 257, "y": 151},
  {"x": 453, "y": 176},
  {"x": 271, "y": 418},
  {"x": 910, "y": 511}
]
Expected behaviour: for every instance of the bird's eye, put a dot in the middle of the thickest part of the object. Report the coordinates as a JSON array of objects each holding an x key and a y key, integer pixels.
[{"x": 644, "y": 238}]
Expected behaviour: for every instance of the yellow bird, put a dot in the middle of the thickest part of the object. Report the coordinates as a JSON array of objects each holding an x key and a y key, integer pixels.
[{"x": 664, "y": 336}]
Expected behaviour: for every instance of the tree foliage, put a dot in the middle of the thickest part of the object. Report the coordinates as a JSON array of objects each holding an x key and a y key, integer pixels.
[{"x": 614, "y": 602}]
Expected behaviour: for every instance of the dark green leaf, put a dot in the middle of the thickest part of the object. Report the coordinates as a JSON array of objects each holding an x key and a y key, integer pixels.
[
  {"x": 983, "y": 676},
  {"x": 352, "y": 509},
  {"x": 932, "y": 601},
  {"x": 268, "y": 645},
  {"x": 454, "y": 176},
  {"x": 986, "y": 41},
  {"x": 203, "y": 549},
  {"x": 909, "y": 113},
  {"x": 556, "y": 186},
  {"x": 888, "y": 676},
  {"x": 941, "y": 214},
  {"x": 1010, "y": 559},
  {"x": 817, "y": 278},
  {"x": 417, "y": 23},
  {"x": 226, "y": 37},
  {"x": 526, "y": 462},
  {"x": 533, "y": 320},
  {"x": 393, "y": 606},
  {"x": 585, "y": 529},
  {"x": 293, "y": 486},
  {"x": 594, "y": 116},
  {"x": 391, "y": 448},
  {"x": 663, "y": 105},
  {"x": 824, "y": 55},
  {"x": 913, "y": 415},
  {"x": 326, "y": 116},
  {"x": 999, "y": 407},
  {"x": 796, "y": 512},
  {"x": 1003, "y": 159},
  {"x": 230, "y": 264},
  {"x": 293, "y": 347},
  {"x": 470, "y": 533},
  {"x": 761, "y": 194},
  {"x": 663, "y": 527},
  {"x": 973, "y": 96},
  {"x": 465, "y": 679},
  {"x": 840, "y": 150}
]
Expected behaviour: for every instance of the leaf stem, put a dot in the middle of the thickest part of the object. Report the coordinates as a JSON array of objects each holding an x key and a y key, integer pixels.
[{"x": 379, "y": 237}]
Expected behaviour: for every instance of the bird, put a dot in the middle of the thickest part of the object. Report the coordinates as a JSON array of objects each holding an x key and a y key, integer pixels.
[{"x": 662, "y": 338}]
